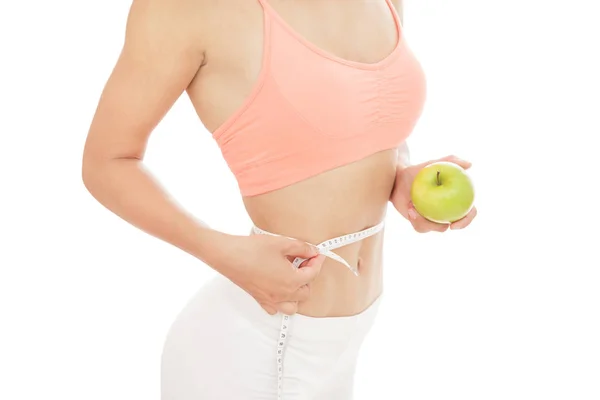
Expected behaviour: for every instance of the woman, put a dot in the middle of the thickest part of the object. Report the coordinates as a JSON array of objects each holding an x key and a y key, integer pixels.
[{"x": 311, "y": 103}]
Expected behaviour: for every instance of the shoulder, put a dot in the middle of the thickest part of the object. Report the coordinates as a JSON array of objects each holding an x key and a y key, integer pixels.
[
  {"x": 177, "y": 22},
  {"x": 398, "y": 6}
]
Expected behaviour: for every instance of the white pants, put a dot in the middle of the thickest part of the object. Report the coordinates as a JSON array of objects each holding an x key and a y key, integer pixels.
[{"x": 224, "y": 346}]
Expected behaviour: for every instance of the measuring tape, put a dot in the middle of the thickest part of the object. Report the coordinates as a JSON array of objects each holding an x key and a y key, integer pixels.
[{"x": 325, "y": 249}]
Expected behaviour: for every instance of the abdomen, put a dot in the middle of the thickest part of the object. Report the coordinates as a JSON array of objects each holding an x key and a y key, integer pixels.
[{"x": 337, "y": 202}]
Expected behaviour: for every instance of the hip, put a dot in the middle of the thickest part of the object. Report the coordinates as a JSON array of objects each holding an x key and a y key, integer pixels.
[{"x": 223, "y": 333}]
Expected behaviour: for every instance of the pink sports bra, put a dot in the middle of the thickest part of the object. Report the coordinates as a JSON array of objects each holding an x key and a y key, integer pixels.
[{"x": 311, "y": 111}]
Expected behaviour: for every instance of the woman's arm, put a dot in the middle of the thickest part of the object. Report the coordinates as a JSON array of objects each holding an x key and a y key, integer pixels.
[{"x": 162, "y": 53}]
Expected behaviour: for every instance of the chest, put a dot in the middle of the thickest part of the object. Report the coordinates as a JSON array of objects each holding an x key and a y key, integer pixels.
[
  {"x": 310, "y": 45},
  {"x": 362, "y": 31}
]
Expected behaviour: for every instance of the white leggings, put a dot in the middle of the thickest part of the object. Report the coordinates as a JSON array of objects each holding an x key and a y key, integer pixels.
[{"x": 224, "y": 346}]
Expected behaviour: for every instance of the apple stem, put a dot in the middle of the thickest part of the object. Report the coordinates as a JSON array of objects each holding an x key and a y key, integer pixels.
[{"x": 439, "y": 182}]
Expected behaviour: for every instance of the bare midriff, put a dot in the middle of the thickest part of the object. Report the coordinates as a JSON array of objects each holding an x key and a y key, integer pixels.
[{"x": 343, "y": 200}]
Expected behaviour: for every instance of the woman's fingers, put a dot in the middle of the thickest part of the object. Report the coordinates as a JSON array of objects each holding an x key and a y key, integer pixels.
[
  {"x": 271, "y": 310},
  {"x": 288, "y": 307},
  {"x": 465, "y": 221},
  {"x": 422, "y": 225},
  {"x": 463, "y": 163},
  {"x": 302, "y": 294}
]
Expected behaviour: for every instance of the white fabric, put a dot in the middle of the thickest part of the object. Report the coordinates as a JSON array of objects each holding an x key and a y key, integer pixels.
[
  {"x": 223, "y": 346},
  {"x": 324, "y": 248}
]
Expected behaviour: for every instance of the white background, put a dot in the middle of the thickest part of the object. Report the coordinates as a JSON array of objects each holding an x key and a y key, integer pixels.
[{"x": 507, "y": 309}]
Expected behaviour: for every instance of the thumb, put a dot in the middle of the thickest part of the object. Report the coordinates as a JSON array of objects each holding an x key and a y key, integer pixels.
[
  {"x": 310, "y": 269},
  {"x": 422, "y": 224},
  {"x": 456, "y": 160},
  {"x": 298, "y": 248},
  {"x": 412, "y": 212}
]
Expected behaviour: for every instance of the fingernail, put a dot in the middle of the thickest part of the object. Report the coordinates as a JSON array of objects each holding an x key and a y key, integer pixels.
[{"x": 412, "y": 214}]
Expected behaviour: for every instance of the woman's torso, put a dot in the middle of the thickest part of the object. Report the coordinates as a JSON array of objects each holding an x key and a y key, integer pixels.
[{"x": 337, "y": 201}]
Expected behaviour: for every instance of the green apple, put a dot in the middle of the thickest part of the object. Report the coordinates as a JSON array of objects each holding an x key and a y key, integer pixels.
[{"x": 442, "y": 192}]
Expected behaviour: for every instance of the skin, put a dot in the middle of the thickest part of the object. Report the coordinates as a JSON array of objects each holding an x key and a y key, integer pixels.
[{"x": 211, "y": 50}]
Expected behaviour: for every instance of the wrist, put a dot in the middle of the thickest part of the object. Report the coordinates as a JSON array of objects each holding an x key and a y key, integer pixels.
[
  {"x": 400, "y": 168},
  {"x": 212, "y": 247}
]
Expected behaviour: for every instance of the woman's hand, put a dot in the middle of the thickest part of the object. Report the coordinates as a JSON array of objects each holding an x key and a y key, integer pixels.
[
  {"x": 262, "y": 266},
  {"x": 400, "y": 198}
]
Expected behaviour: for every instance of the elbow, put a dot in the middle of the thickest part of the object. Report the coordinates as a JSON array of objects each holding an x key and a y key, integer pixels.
[
  {"x": 89, "y": 171},
  {"x": 92, "y": 169},
  {"x": 96, "y": 178},
  {"x": 99, "y": 172}
]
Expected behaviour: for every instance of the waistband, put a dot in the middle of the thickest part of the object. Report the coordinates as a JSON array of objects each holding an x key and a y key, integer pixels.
[
  {"x": 326, "y": 246},
  {"x": 241, "y": 305},
  {"x": 334, "y": 328}
]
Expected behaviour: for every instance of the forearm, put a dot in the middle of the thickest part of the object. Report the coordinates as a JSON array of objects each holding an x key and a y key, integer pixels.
[{"x": 127, "y": 189}]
